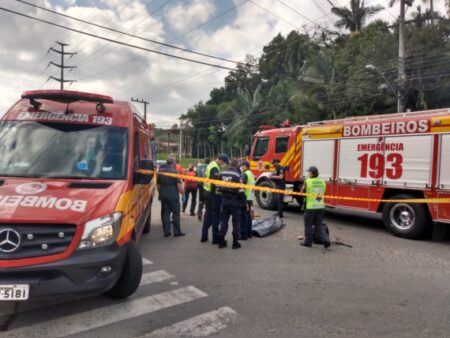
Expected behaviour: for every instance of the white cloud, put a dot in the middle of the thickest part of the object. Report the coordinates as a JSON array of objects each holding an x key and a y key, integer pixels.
[{"x": 190, "y": 14}]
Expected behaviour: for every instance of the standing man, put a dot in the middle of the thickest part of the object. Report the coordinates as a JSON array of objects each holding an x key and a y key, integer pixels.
[
  {"x": 232, "y": 199},
  {"x": 213, "y": 200},
  {"x": 315, "y": 188},
  {"x": 278, "y": 179},
  {"x": 190, "y": 188},
  {"x": 246, "y": 219},
  {"x": 169, "y": 189}
]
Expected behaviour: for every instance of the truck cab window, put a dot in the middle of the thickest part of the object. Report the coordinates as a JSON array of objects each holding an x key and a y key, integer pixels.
[
  {"x": 281, "y": 144},
  {"x": 261, "y": 147}
]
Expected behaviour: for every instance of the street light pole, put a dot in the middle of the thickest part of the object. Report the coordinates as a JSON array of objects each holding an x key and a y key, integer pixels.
[
  {"x": 401, "y": 59},
  {"x": 396, "y": 91}
]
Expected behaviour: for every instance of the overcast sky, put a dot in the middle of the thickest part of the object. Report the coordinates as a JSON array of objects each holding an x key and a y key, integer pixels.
[{"x": 170, "y": 85}]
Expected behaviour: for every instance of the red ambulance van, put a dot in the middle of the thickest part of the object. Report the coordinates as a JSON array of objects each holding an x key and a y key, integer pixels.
[{"x": 75, "y": 195}]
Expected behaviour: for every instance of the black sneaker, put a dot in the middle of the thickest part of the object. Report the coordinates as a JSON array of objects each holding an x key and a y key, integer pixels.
[
  {"x": 203, "y": 240},
  {"x": 327, "y": 244},
  {"x": 168, "y": 234},
  {"x": 305, "y": 244},
  {"x": 236, "y": 245},
  {"x": 181, "y": 234},
  {"x": 223, "y": 244}
]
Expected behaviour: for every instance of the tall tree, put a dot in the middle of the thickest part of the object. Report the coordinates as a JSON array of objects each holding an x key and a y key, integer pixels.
[{"x": 354, "y": 17}]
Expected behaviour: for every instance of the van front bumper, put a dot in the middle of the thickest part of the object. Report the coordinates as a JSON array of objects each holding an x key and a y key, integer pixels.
[{"x": 86, "y": 272}]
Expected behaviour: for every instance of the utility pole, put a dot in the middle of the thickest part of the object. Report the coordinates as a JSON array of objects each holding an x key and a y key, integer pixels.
[
  {"x": 181, "y": 138},
  {"x": 145, "y": 106},
  {"x": 401, "y": 59},
  {"x": 61, "y": 66},
  {"x": 401, "y": 56}
]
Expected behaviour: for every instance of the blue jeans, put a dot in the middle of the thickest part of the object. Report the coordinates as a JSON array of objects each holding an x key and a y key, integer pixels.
[
  {"x": 280, "y": 203},
  {"x": 212, "y": 215},
  {"x": 246, "y": 220}
]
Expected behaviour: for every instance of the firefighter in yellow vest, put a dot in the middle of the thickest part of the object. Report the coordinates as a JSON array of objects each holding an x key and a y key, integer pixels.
[{"x": 315, "y": 188}]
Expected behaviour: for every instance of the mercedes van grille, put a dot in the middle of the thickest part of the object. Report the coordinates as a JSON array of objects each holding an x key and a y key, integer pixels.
[{"x": 36, "y": 240}]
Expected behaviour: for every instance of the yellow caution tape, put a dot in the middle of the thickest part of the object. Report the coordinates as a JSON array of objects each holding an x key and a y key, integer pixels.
[{"x": 296, "y": 193}]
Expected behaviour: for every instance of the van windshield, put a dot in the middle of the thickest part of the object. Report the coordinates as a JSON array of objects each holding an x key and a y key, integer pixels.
[{"x": 59, "y": 150}]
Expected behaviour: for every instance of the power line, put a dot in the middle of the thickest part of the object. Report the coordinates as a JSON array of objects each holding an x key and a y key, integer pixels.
[
  {"x": 145, "y": 17},
  {"x": 297, "y": 12},
  {"x": 272, "y": 13},
  {"x": 128, "y": 34},
  {"x": 114, "y": 41},
  {"x": 210, "y": 20},
  {"x": 321, "y": 8},
  {"x": 173, "y": 40}
]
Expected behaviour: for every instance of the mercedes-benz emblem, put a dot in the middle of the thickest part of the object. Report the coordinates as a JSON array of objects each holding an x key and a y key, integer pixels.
[{"x": 9, "y": 240}]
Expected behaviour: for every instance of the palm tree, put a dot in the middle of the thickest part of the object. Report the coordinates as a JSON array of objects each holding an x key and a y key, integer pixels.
[
  {"x": 319, "y": 83},
  {"x": 353, "y": 18}
]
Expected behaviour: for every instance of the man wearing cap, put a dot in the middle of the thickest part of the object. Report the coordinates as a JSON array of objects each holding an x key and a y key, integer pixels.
[
  {"x": 315, "y": 188},
  {"x": 213, "y": 200},
  {"x": 278, "y": 179},
  {"x": 246, "y": 219},
  {"x": 169, "y": 189},
  {"x": 232, "y": 200}
]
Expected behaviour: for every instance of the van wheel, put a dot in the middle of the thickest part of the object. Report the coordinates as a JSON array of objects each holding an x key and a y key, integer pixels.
[
  {"x": 404, "y": 219},
  {"x": 131, "y": 274},
  {"x": 266, "y": 200},
  {"x": 148, "y": 223}
]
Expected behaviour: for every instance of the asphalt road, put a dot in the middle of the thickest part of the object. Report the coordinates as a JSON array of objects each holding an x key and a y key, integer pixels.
[{"x": 381, "y": 287}]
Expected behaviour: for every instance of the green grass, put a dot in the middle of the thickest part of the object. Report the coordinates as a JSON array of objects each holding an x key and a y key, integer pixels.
[{"x": 185, "y": 161}]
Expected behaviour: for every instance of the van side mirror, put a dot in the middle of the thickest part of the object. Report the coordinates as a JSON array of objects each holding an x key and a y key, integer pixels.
[
  {"x": 142, "y": 177},
  {"x": 146, "y": 165}
]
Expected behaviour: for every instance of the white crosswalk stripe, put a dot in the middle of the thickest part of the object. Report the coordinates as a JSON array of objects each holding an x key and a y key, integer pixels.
[
  {"x": 155, "y": 277},
  {"x": 202, "y": 325},
  {"x": 199, "y": 326},
  {"x": 145, "y": 261},
  {"x": 96, "y": 318}
]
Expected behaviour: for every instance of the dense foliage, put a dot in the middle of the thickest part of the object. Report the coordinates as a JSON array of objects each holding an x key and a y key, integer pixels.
[{"x": 324, "y": 75}]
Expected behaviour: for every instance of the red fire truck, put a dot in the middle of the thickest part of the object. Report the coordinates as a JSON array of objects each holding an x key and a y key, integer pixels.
[{"x": 394, "y": 156}]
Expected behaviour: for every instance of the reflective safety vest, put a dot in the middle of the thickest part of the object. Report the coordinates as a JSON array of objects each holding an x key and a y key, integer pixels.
[
  {"x": 315, "y": 186},
  {"x": 250, "y": 181},
  {"x": 212, "y": 164}
]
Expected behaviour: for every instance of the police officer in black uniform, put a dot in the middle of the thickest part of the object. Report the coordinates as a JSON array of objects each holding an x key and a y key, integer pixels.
[
  {"x": 232, "y": 199},
  {"x": 278, "y": 179}
]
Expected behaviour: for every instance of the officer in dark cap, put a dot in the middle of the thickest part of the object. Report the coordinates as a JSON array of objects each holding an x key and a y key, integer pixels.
[
  {"x": 315, "y": 188},
  {"x": 232, "y": 200},
  {"x": 278, "y": 179}
]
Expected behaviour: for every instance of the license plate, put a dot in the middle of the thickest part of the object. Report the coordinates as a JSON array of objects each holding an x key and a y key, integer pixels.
[{"x": 14, "y": 292}]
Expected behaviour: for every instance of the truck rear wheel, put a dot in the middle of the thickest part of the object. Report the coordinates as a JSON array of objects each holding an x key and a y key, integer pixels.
[
  {"x": 407, "y": 220},
  {"x": 266, "y": 200},
  {"x": 131, "y": 274}
]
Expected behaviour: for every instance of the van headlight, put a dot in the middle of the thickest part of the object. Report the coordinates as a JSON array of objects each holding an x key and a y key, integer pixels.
[{"x": 101, "y": 231}]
